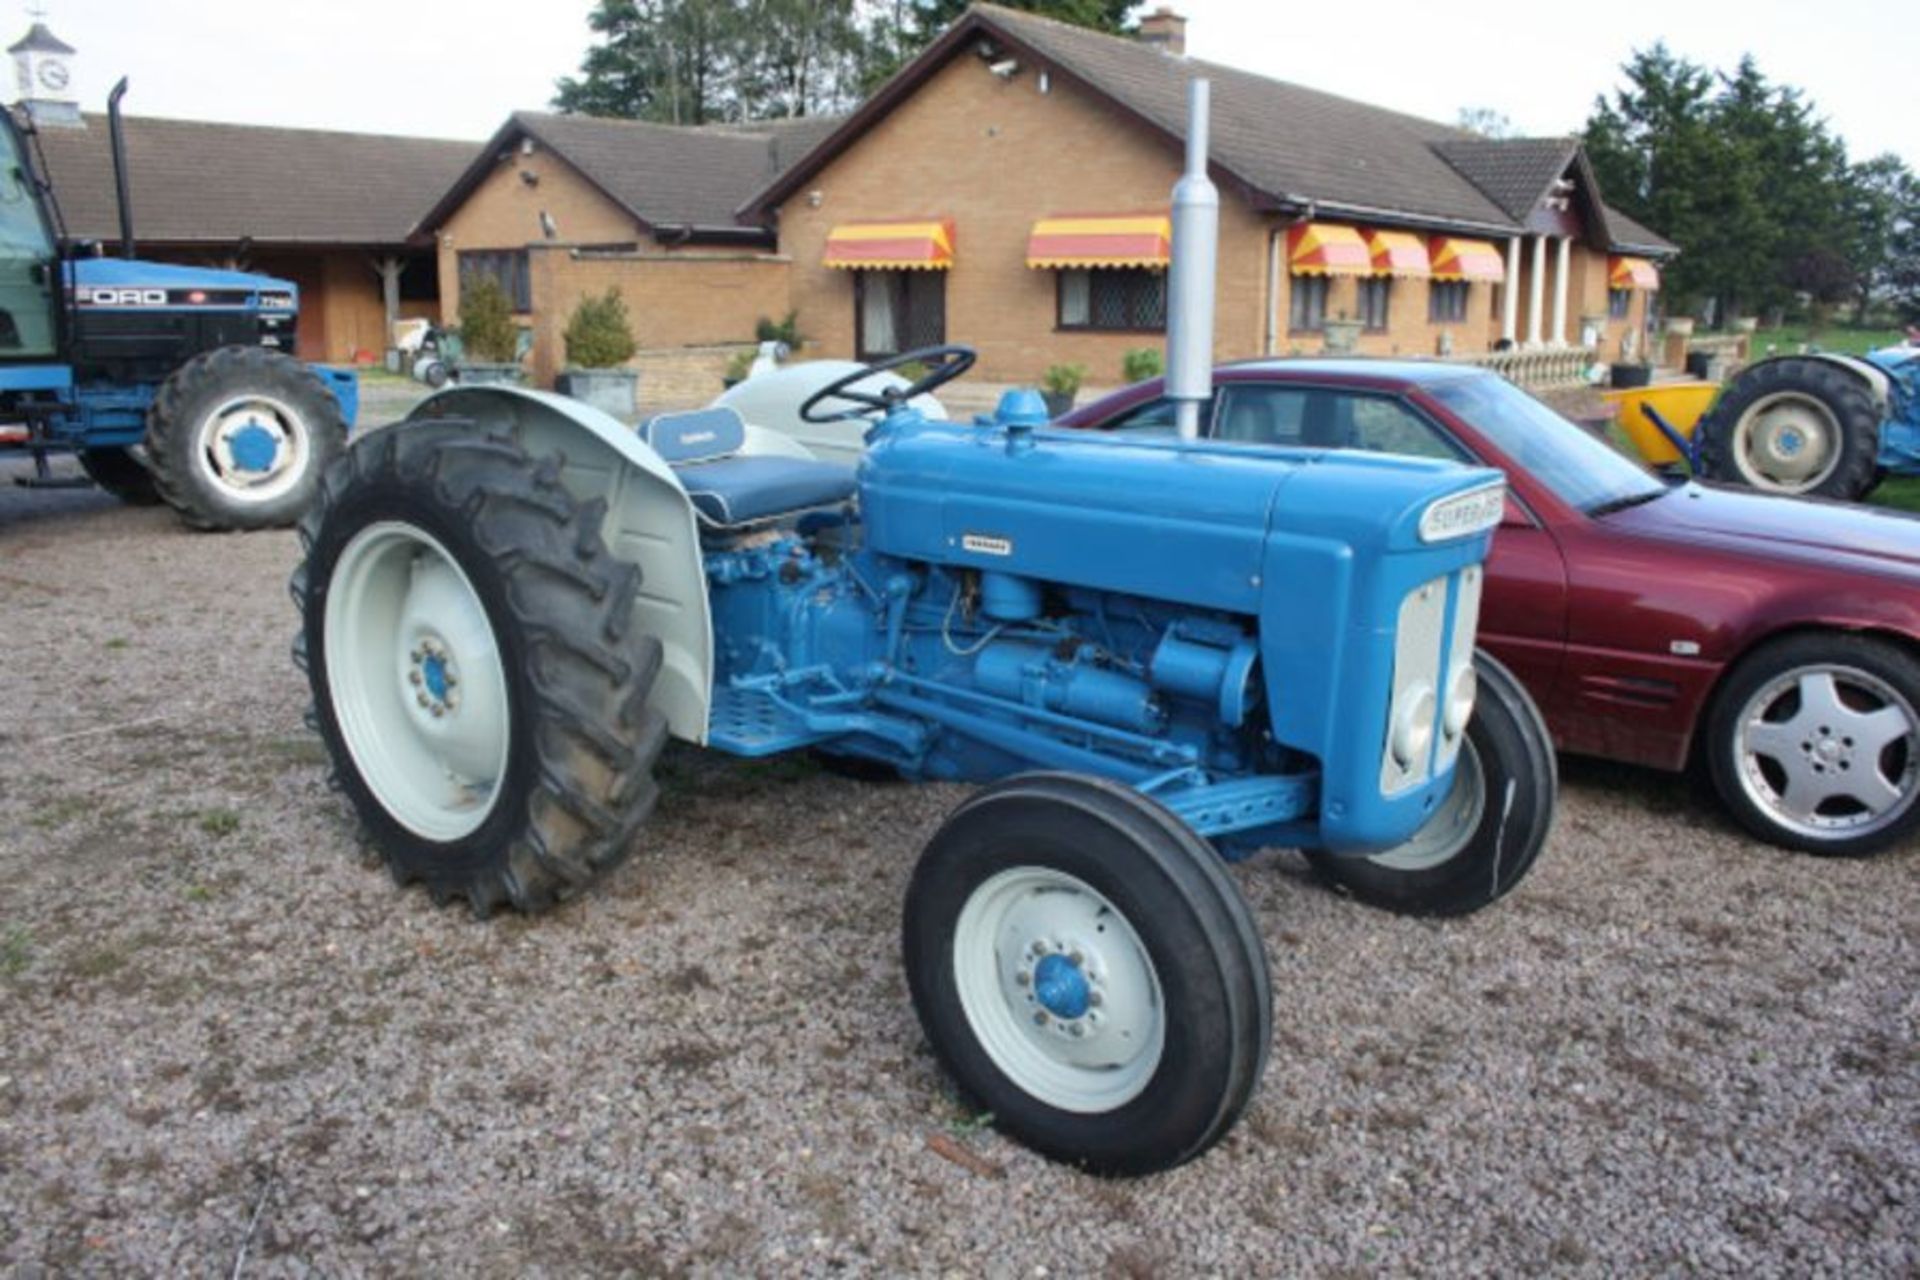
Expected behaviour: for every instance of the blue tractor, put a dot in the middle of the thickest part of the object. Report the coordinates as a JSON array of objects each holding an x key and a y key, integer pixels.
[
  {"x": 170, "y": 383},
  {"x": 1158, "y": 656}
]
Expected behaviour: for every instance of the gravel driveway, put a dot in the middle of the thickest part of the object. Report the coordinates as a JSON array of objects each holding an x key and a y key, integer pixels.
[{"x": 227, "y": 1033}]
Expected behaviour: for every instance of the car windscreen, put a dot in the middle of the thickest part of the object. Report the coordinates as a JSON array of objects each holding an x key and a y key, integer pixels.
[{"x": 1582, "y": 470}]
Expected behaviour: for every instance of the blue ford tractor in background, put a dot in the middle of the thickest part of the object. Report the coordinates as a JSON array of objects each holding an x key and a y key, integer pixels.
[
  {"x": 1159, "y": 656},
  {"x": 170, "y": 383}
]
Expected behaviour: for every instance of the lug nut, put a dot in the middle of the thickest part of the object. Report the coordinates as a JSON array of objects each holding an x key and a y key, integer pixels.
[
  {"x": 438, "y": 712},
  {"x": 1023, "y": 977},
  {"x": 413, "y": 678},
  {"x": 420, "y": 698},
  {"x": 1077, "y": 959},
  {"x": 1039, "y": 1017},
  {"x": 1095, "y": 999},
  {"x": 1077, "y": 1030}
]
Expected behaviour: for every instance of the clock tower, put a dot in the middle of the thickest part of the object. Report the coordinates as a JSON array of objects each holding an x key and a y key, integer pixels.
[{"x": 43, "y": 71}]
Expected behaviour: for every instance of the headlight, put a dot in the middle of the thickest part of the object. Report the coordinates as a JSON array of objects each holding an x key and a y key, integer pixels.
[
  {"x": 1463, "y": 514},
  {"x": 1413, "y": 727},
  {"x": 1460, "y": 702}
]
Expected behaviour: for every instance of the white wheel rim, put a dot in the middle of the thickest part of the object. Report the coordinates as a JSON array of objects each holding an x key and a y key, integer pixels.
[
  {"x": 1829, "y": 752},
  {"x": 253, "y": 448},
  {"x": 1059, "y": 990},
  {"x": 1452, "y": 825},
  {"x": 416, "y": 680},
  {"x": 1787, "y": 441}
]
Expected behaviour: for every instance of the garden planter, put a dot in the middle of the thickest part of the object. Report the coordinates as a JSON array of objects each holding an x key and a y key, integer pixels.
[
  {"x": 1342, "y": 336},
  {"x": 1058, "y": 402},
  {"x": 1631, "y": 375},
  {"x": 612, "y": 391},
  {"x": 480, "y": 373}
]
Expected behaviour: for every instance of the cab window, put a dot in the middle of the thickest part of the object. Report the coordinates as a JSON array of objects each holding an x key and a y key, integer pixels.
[{"x": 1327, "y": 418}]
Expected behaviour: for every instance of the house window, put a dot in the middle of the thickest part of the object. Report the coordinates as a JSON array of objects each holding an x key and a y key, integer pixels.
[
  {"x": 895, "y": 311},
  {"x": 1619, "y": 302},
  {"x": 1115, "y": 299},
  {"x": 1375, "y": 294},
  {"x": 1447, "y": 301},
  {"x": 1307, "y": 307},
  {"x": 508, "y": 266}
]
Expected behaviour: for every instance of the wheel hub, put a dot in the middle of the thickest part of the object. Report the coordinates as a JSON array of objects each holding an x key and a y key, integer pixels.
[
  {"x": 434, "y": 677},
  {"x": 253, "y": 447},
  {"x": 1060, "y": 985},
  {"x": 1787, "y": 441}
]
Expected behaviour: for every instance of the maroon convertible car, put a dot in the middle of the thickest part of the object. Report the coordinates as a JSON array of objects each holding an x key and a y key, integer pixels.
[{"x": 1775, "y": 640}]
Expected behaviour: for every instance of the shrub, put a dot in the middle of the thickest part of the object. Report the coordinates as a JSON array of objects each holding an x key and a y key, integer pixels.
[
  {"x": 487, "y": 330},
  {"x": 787, "y": 331},
  {"x": 598, "y": 335},
  {"x": 1142, "y": 363},
  {"x": 1064, "y": 379},
  {"x": 739, "y": 365}
]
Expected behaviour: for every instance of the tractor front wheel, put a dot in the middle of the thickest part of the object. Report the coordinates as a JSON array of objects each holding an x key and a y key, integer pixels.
[
  {"x": 466, "y": 634},
  {"x": 1088, "y": 973},
  {"x": 238, "y": 437},
  {"x": 1794, "y": 426}
]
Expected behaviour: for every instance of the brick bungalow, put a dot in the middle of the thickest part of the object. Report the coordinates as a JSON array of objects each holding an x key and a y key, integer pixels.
[{"x": 1008, "y": 189}]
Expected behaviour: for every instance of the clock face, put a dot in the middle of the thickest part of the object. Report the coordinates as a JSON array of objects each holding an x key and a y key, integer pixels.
[{"x": 53, "y": 75}]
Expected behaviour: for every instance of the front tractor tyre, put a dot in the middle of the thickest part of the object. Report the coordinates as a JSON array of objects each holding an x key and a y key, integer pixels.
[
  {"x": 238, "y": 438},
  {"x": 1489, "y": 829},
  {"x": 1088, "y": 973},
  {"x": 467, "y": 637},
  {"x": 1794, "y": 426}
]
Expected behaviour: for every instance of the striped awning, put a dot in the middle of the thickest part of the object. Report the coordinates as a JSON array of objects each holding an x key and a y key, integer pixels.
[
  {"x": 1327, "y": 249},
  {"x": 1633, "y": 273},
  {"x": 896, "y": 246},
  {"x": 1399, "y": 253},
  {"x": 1455, "y": 259},
  {"x": 1137, "y": 240}
]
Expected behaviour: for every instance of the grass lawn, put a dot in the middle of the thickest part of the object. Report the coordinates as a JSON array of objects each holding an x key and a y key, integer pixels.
[
  {"x": 1899, "y": 492},
  {"x": 1787, "y": 340}
]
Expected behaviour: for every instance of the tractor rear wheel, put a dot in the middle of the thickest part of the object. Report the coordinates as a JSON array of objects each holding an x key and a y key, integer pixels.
[
  {"x": 1088, "y": 972},
  {"x": 238, "y": 437},
  {"x": 122, "y": 475},
  {"x": 1794, "y": 426},
  {"x": 466, "y": 634},
  {"x": 1487, "y": 832}
]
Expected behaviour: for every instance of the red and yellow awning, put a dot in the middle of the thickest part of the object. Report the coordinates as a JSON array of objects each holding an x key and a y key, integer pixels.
[
  {"x": 1633, "y": 273},
  {"x": 1327, "y": 249},
  {"x": 1135, "y": 240},
  {"x": 1398, "y": 253},
  {"x": 1473, "y": 260},
  {"x": 894, "y": 246}
]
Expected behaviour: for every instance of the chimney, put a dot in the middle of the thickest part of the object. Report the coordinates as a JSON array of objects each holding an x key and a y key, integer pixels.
[{"x": 1164, "y": 30}]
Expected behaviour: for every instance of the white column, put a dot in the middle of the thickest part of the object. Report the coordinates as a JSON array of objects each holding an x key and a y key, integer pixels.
[
  {"x": 1510, "y": 294},
  {"x": 1536, "y": 291},
  {"x": 1560, "y": 265}
]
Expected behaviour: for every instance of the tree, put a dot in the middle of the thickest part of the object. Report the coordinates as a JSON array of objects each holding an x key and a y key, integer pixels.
[
  {"x": 1486, "y": 122},
  {"x": 661, "y": 60}
]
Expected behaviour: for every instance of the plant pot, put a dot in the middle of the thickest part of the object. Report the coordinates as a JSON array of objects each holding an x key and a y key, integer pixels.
[
  {"x": 1058, "y": 402},
  {"x": 612, "y": 391},
  {"x": 481, "y": 373},
  {"x": 1630, "y": 375},
  {"x": 1342, "y": 336},
  {"x": 1679, "y": 326}
]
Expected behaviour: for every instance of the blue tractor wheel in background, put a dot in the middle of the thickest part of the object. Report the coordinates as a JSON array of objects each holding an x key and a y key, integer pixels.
[
  {"x": 237, "y": 438},
  {"x": 1088, "y": 972},
  {"x": 1794, "y": 426}
]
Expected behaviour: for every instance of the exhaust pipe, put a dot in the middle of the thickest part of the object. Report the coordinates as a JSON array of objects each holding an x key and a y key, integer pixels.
[
  {"x": 1190, "y": 282},
  {"x": 118, "y": 139}
]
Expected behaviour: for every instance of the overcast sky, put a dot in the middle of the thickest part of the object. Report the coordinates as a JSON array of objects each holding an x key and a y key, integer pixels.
[{"x": 456, "y": 69}]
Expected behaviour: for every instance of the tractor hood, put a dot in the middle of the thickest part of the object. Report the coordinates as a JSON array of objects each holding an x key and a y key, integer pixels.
[{"x": 120, "y": 282}]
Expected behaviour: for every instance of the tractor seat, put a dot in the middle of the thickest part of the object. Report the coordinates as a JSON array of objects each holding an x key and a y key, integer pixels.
[{"x": 730, "y": 489}]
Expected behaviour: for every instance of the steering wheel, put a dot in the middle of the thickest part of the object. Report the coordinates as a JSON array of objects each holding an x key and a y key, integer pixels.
[{"x": 945, "y": 364}]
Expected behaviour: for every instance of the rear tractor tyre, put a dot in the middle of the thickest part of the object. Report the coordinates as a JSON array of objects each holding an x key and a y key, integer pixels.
[
  {"x": 466, "y": 634},
  {"x": 1088, "y": 973},
  {"x": 238, "y": 438},
  {"x": 1796, "y": 427},
  {"x": 122, "y": 475},
  {"x": 1487, "y": 832}
]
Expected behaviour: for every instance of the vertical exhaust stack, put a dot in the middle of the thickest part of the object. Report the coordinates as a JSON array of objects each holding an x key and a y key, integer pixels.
[
  {"x": 1196, "y": 250},
  {"x": 117, "y": 137}
]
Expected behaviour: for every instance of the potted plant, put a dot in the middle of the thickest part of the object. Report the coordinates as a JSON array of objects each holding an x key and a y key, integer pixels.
[
  {"x": 1342, "y": 335},
  {"x": 599, "y": 342},
  {"x": 739, "y": 365},
  {"x": 489, "y": 339},
  {"x": 1061, "y": 383},
  {"x": 1142, "y": 363}
]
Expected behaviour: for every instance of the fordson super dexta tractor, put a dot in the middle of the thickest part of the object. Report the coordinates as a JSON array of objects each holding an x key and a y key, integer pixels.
[
  {"x": 169, "y": 382},
  {"x": 1158, "y": 656}
]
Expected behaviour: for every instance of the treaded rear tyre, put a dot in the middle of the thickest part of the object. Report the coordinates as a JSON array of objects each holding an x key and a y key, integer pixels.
[
  {"x": 122, "y": 475},
  {"x": 187, "y": 467},
  {"x": 580, "y": 742},
  {"x": 1838, "y": 393}
]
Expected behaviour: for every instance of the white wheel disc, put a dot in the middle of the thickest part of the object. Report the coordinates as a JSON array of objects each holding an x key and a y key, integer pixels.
[
  {"x": 1829, "y": 751},
  {"x": 1059, "y": 990},
  {"x": 1787, "y": 442},
  {"x": 1446, "y": 833},
  {"x": 416, "y": 680},
  {"x": 253, "y": 447}
]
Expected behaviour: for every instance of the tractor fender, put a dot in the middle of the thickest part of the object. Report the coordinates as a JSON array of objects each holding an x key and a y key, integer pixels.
[{"x": 650, "y": 522}]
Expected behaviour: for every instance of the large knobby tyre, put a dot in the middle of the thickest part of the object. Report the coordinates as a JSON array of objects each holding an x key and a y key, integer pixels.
[
  {"x": 475, "y": 676},
  {"x": 1489, "y": 830},
  {"x": 121, "y": 474},
  {"x": 1088, "y": 973},
  {"x": 1813, "y": 743},
  {"x": 1794, "y": 426},
  {"x": 238, "y": 438}
]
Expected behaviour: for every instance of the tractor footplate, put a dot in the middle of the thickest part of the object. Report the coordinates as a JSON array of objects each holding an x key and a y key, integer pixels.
[
  {"x": 749, "y": 722},
  {"x": 53, "y": 482}
]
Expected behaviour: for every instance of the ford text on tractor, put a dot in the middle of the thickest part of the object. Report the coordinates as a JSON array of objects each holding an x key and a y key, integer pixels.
[
  {"x": 1157, "y": 656},
  {"x": 170, "y": 383}
]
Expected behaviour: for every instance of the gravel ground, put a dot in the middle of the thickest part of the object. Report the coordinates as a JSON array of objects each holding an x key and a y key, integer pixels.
[{"x": 226, "y": 1031}]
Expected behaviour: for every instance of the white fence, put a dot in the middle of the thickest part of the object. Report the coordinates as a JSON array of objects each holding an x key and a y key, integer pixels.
[{"x": 1537, "y": 370}]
